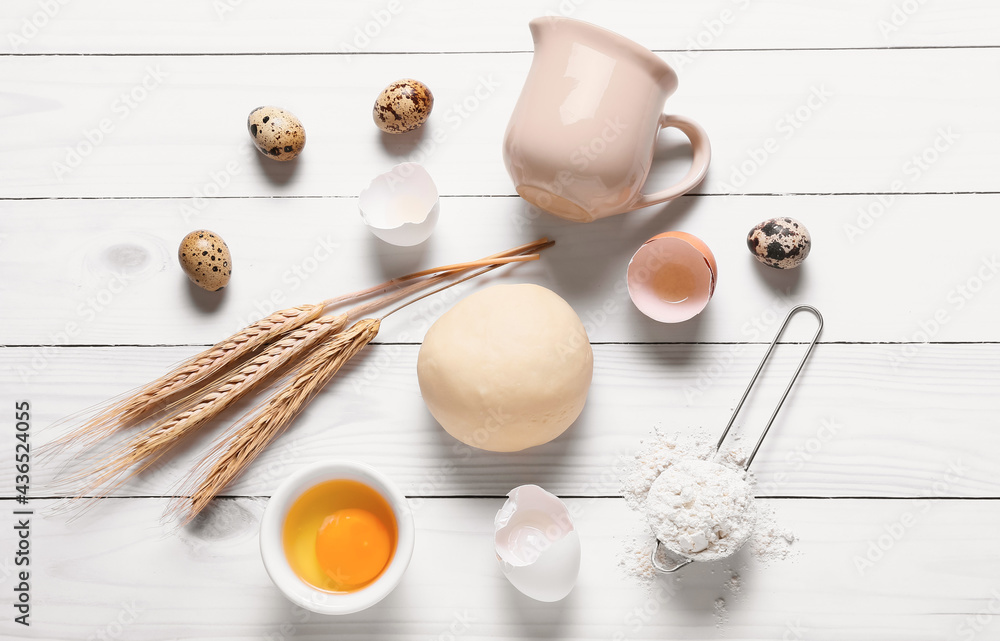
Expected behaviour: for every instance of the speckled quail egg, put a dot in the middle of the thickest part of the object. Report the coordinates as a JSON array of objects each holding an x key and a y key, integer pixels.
[
  {"x": 780, "y": 242},
  {"x": 276, "y": 133},
  {"x": 403, "y": 106},
  {"x": 206, "y": 260}
]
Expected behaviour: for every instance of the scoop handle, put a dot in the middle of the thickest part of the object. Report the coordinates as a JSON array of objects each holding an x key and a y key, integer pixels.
[{"x": 795, "y": 310}]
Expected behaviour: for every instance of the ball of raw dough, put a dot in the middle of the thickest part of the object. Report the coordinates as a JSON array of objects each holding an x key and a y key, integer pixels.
[{"x": 506, "y": 368}]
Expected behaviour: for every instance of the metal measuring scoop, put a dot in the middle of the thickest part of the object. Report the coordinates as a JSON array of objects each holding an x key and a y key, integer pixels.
[{"x": 676, "y": 561}]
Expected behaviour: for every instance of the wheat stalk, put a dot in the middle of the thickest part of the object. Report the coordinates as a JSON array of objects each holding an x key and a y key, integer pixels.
[
  {"x": 187, "y": 376},
  {"x": 195, "y": 372},
  {"x": 244, "y": 442},
  {"x": 251, "y": 435},
  {"x": 150, "y": 444},
  {"x": 208, "y": 383}
]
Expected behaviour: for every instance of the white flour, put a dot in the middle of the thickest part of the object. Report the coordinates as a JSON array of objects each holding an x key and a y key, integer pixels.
[
  {"x": 771, "y": 542},
  {"x": 721, "y": 612},
  {"x": 704, "y": 509},
  {"x": 696, "y": 507},
  {"x": 735, "y": 582},
  {"x": 634, "y": 558},
  {"x": 656, "y": 454},
  {"x": 701, "y": 509}
]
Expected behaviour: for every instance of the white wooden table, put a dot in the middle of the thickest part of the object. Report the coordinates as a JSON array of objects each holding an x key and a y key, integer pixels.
[{"x": 124, "y": 128}]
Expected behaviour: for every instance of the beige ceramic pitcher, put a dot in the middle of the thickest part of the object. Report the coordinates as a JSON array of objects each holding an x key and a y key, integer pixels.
[{"x": 581, "y": 139}]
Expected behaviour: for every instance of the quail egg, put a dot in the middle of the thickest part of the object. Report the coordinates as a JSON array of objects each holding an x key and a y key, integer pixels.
[
  {"x": 276, "y": 133},
  {"x": 403, "y": 106},
  {"x": 780, "y": 242},
  {"x": 206, "y": 260}
]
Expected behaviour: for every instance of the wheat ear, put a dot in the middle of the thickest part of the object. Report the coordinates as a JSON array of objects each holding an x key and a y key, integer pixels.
[
  {"x": 129, "y": 409},
  {"x": 255, "y": 431},
  {"x": 196, "y": 370},
  {"x": 246, "y": 439},
  {"x": 147, "y": 446}
]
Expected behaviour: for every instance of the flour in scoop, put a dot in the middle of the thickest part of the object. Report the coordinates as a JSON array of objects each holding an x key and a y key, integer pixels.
[
  {"x": 658, "y": 452},
  {"x": 701, "y": 509},
  {"x": 704, "y": 508}
]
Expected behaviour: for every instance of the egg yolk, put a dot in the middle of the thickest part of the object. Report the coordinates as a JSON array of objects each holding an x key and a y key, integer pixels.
[{"x": 353, "y": 547}]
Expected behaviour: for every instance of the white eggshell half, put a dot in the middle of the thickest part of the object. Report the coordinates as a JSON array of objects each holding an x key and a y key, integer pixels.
[
  {"x": 537, "y": 546},
  {"x": 401, "y": 206}
]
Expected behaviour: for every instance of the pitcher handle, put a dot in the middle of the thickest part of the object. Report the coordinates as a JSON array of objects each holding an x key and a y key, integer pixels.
[{"x": 699, "y": 164}]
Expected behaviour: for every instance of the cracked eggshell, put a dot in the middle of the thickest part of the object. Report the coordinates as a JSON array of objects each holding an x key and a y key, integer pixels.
[
  {"x": 537, "y": 546},
  {"x": 782, "y": 243},
  {"x": 276, "y": 133},
  {"x": 401, "y": 206},
  {"x": 672, "y": 277}
]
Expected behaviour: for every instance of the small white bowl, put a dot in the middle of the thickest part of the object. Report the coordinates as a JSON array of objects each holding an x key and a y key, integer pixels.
[
  {"x": 273, "y": 553},
  {"x": 401, "y": 206}
]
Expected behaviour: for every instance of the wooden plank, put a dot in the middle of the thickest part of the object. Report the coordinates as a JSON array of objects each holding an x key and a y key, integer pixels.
[
  {"x": 105, "y": 272},
  {"x": 117, "y": 569},
  {"x": 853, "y": 101},
  {"x": 855, "y": 425},
  {"x": 250, "y": 26},
  {"x": 797, "y": 128}
]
